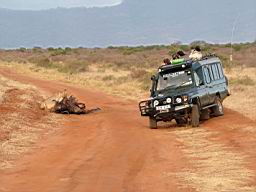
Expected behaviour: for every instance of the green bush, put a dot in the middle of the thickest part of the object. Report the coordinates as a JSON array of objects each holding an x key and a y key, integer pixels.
[
  {"x": 237, "y": 47},
  {"x": 58, "y": 51},
  {"x": 42, "y": 61},
  {"x": 50, "y": 49},
  {"x": 37, "y": 50},
  {"x": 22, "y": 49}
]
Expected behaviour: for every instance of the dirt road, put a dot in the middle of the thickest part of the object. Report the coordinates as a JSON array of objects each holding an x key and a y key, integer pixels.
[{"x": 114, "y": 151}]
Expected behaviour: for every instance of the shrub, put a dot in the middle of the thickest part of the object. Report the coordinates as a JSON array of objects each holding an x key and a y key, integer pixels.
[
  {"x": 37, "y": 50},
  {"x": 42, "y": 61},
  {"x": 108, "y": 78},
  {"x": 50, "y": 49},
  {"x": 121, "y": 80},
  {"x": 58, "y": 51},
  {"x": 73, "y": 67},
  {"x": 199, "y": 43},
  {"x": 68, "y": 49},
  {"x": 22, "y": 49},
  {"x": 237, "y": 47}
]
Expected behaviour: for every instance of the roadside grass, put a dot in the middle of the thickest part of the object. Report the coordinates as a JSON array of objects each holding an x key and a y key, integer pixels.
[
  {"x": 216, "y": 166},
  {"x": 22, "y": 122},
  {"x": 119, "y": 83},
  {"x": 244, "y": 80},
  {"x": 243, "y": 90}
]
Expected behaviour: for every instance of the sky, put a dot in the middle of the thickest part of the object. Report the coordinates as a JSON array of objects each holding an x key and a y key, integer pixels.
[{"x": 48, "y": 4}]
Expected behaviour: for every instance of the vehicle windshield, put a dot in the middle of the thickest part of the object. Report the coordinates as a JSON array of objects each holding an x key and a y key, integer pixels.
[{"x": 174, "y": 80}]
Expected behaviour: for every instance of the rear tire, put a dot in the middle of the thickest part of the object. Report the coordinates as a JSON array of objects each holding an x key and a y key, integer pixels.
[
  {"x": 152, "y": 123},
  {"x": 218, "y": 109},
  {"x": 181, "y": 121},
  {"x": 195, "y": 116},
  {"x": 205, "y": 115}
]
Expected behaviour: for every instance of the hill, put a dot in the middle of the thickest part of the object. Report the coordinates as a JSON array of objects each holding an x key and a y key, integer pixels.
[{"x": 130, "y": 23}]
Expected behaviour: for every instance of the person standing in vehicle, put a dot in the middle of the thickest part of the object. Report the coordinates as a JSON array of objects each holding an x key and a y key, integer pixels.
[
  {"x": 179, "y": 55},
  {"x": 196, "y": 53},
  {"x": 167, "y": 61}
]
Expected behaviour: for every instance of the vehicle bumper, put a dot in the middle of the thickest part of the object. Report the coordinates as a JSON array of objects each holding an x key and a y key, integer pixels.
[{"x": 172, "y": 112}]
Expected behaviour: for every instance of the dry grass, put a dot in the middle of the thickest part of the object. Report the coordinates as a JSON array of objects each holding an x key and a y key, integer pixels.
[
  {"x": 118, "y": 83},
  {"x": 216, "y": 167},
  {"x": 6, "y": 84},
  {"x": 22, "y": 122},
  {"x": 243, "y": 90}
]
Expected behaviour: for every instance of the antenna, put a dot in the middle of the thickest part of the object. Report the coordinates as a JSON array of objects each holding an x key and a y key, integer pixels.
[{"x": 232, "y": 38}]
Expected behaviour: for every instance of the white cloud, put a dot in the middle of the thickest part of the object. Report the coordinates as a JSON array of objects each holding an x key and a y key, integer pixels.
[{"x": 47, "y": 4}]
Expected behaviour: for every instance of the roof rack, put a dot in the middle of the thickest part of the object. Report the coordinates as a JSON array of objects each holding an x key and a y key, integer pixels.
[
  {"x": 208, "y": 56},
  {"x": 185, "y": 62}
]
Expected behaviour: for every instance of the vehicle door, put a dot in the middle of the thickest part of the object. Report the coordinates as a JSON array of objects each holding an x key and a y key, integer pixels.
[
  {"x": 201, "y": 80},
  {"x": 214, "y": 87},
  {"x": 207, "y": 85}
]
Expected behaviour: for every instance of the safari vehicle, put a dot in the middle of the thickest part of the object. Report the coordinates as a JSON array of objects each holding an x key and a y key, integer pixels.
[{"x": 187, "y": 92}]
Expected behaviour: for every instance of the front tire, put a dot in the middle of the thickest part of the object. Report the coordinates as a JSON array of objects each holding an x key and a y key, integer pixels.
[
  {"x": 181, "y": 121},
  {"x": 152, "y": 123},
  {"x": 195, "y": 116},
  {"x": 218, "y": 109}
]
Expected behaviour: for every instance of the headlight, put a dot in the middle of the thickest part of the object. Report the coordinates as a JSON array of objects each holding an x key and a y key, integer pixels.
[
  {"x": 156, "y": 102},
  {"x": 169, "y": 100},
  {"x": 178, "y": 100},
  {"x": 185, "y": 98}
]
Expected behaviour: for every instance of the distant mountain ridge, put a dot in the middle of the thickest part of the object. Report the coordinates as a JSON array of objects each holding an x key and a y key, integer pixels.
[{"x": 130, "y": 23}]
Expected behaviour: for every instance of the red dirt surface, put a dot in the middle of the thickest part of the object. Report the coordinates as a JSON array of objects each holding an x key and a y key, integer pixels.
[{"x": 114, "y": 151}]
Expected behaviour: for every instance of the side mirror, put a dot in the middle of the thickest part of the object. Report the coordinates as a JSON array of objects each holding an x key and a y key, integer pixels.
[{"x": 153, "y": 78}]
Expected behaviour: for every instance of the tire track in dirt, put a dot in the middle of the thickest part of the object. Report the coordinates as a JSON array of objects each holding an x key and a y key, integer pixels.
[
  {"x": 108, "y": 151},
  {"x": 115, "y": 151},
  {"x": 220, "y": 163},
  {"x": 215, "y": 166}
]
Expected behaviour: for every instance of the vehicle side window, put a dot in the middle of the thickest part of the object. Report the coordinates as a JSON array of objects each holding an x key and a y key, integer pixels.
[
  {"x": 220, "y": 70},
  {"x": 198, "y": 75},
  {"x": 217, "y": 71},
  {"x": 207, "y": 75},
  {"x": 214, "y": 71},
  {"x": 210, "y": 72},
  {"x": 197, "y": 80}
]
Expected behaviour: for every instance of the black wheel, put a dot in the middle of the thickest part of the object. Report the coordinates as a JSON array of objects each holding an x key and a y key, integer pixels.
[
  {"x": 218, "y": 109},
  {"x": 195, "y": 116},
  {"x": 205, "y": 114},
  {"x": 181, "y": 121},
  {"x": 152, "y": 123}
]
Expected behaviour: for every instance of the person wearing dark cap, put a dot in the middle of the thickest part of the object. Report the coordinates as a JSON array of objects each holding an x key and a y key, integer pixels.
[
  {"x": 196, "y": 53},
  {"x": 178, "y": 55},
  {"x": 167, "y": 61}
]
